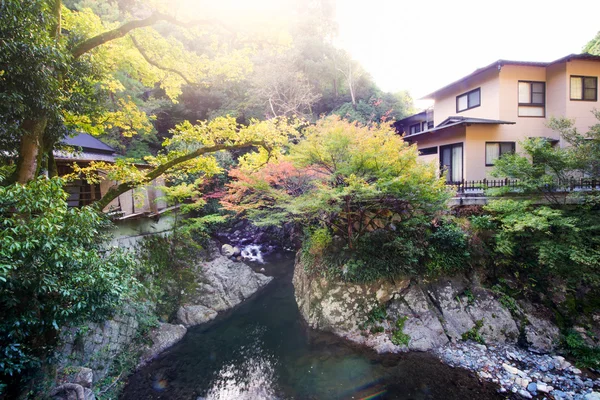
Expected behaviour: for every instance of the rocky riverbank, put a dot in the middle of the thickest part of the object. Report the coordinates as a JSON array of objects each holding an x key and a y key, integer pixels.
[
  {"x": 88, "y": 354},
  {"x": 445, "y": 316},
  {"x": 522, "y": 372},
  {"x": 431, "y": 314}
]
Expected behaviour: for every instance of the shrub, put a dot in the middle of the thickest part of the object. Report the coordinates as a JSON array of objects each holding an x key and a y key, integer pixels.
[
  {"x": 448, "y": 249},
  {"x": 54, "y": 273},
  {"x": 586, "y": 356},
  {"x": 167, "y": 272},
  {"x": 473, "y": 333},
  {"x": 399, "y": 338}
]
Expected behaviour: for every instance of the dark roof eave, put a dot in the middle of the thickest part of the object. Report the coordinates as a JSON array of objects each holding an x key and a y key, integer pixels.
[{"x": 464, "y": 123}]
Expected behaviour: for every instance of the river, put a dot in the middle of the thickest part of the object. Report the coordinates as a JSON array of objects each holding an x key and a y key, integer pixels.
[{"x": 263, "y": 350}]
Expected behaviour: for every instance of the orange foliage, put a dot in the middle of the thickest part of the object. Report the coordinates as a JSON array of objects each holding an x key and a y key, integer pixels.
[{"x": 259, "y": 189}]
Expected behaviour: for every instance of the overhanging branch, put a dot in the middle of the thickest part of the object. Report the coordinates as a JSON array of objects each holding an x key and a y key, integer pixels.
[
  {"x": 116, "y": 191},
  {"x": 127, "y": 27}
]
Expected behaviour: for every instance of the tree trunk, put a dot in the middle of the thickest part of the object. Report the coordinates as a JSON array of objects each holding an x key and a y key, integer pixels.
[
  {"x": 351, "y": 86},
  {"x": 30, "y": 150}
]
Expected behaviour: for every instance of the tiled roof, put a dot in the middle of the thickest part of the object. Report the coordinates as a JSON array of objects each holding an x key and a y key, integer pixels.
[
  {"x": 88, "y": 142},
  {"x": 83, "y": 156}
]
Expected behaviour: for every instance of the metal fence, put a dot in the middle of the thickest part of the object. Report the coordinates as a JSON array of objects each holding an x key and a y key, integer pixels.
[{"x": 560, "y": 185}]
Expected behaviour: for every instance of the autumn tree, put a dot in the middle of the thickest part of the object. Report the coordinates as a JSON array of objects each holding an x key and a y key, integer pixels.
[{"x": 361, "y": 185}]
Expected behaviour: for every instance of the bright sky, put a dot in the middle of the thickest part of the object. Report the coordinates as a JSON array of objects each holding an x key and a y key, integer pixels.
[{"x": 424, "y": 45}]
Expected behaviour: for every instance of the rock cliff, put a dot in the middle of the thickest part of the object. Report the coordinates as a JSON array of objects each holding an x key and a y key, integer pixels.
[
  {"x": 432, "y": 314},
  {"x": 222, "y": 284}
]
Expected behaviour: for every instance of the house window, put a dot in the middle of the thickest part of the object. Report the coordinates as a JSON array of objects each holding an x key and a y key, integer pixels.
[
  {"x": 416, "y": 128},
  {"x": 584, "y": 88},
  {"x": 495, "y": 150},
  {"x": 430, "y": 125},
  {"x": 532, "y": 99},
  {"x": 468, "y": 100},
  {"x": 428, "y": 151},
  {"x": 424, "y": 126}
]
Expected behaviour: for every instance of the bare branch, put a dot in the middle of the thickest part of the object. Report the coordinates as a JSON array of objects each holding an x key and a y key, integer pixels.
[{"x": 155, "y": 63}]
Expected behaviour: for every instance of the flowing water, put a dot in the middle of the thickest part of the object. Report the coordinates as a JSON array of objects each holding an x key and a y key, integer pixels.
[{"x": 263, "y": 350}]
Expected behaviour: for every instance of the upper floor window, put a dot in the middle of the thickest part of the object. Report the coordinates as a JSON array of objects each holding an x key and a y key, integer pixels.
[
  {"x": 532, "y": 99},
  {"x": 468, "y": 100},
  {"x": 584, "y": 88},
  {"x": 416, "y": 128}
]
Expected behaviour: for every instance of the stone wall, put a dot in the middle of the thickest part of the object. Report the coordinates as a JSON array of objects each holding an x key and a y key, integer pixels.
[{"x": 96, "y": 345}]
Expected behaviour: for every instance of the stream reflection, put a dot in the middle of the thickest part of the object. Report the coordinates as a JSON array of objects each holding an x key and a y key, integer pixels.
[{"x": 263, "y": 350}]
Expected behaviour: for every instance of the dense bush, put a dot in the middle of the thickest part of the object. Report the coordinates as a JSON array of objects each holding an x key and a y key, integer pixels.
[
  {"x": 424, "y": 250},
  {"x": 53, "y": 273},
  {"x": 586, "y": 355},
  {"x": 541, "y": 243}
]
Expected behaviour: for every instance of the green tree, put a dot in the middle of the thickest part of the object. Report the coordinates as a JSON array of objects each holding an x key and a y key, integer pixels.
[
  {"x": 56, "y": 73},
  {"x": 544, "y": 169},
  {"x": 54, "y": 272},
  {"x": 593, "y": 46}
]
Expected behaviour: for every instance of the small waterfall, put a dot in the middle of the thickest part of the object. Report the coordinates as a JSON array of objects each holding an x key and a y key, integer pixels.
[{"x": 253, "y": 253}]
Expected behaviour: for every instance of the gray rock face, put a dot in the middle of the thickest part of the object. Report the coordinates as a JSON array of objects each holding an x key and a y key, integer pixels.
[
  {"x": 224, "y": 285},
  {"x": 541, "y": 334},
  {"x": 434, "y": 313},
  {"x": 460, "y": 311},
  {"x": 99, "y": 346},
  {"x": 162, "y": 338},
  {"x": 424, "y": 328},
  {"x": 340, "y": 307},
  {"x": 195, "y": 315},
  {"x": 84, "y": 377}
]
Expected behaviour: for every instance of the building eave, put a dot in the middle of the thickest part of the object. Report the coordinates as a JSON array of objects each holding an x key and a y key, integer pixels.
[{"x": 456, "y": 121}]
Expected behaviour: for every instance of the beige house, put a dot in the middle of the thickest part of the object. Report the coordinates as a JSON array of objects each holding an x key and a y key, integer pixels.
[{"x": 487, "y": 113}]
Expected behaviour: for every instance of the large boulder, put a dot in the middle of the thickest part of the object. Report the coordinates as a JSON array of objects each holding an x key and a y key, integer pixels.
[
  {"x": 222, "y": 284},
  {"x": 195, "y": 315},
  {"x": 423, "y": 323},
  {"x": 541, "y": 334},
  {"x": 230, "y": 251},
  {"x": 341, "y": 307},
  {"x": 462, "y": 305}
]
